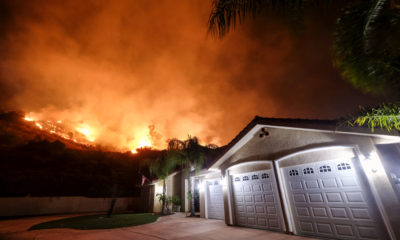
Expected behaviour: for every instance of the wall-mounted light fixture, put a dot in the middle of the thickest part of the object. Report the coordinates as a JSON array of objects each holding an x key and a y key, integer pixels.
[
  {"x": 372, "y": 162},
  {"x": 264, "y": 132}
]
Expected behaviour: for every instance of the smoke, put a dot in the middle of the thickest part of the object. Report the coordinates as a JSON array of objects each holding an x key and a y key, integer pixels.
[{"x": 137, "y": 69}]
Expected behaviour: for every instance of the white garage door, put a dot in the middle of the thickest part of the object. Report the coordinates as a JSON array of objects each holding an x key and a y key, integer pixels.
[
  {"x": 328, "y": 199},
  {"x": 256, "y": 200},
  {"x": 215, "y": 200}
]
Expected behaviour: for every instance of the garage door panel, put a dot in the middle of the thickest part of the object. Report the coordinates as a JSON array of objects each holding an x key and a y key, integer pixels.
[
  {"x": 329, "y": 183},
  {"x": 258, "y": 198},
  {"x": 312, "y": 184},
  {"x": 215, "y": 201},
  {"x": 329, "y": 200},
  {"x": 303, "y": 211},
  {"x": 296, "y": 185},
  {"x": 324, "y": 228},
  {"x": 273, "y": 223},
  {"x": 334, "y": 197},
  {"x": 367, "y": 232},
  {"x": 360, "y": 213},
  {"x": 306, "y": 227},
  {"x": 269, "y": 198},
  {"x": 257, "y": 206}
]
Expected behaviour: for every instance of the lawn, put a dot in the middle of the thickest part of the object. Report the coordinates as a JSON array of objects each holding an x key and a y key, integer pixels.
[{"x": 99, "y": 221}]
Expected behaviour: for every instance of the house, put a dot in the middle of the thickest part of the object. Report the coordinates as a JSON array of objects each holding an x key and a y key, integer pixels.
[{"x": 306, "y": 177}]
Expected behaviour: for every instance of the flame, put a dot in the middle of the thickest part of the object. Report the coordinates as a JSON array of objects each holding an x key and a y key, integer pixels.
[
  {"x": 29, "y": 119},
  {"x": 39, "y": 125},
  {"x": 143, "y": 143},
  {"x": 87, "y": 131}
]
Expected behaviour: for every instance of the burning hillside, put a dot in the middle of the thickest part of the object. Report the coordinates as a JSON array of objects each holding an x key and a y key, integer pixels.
[
  {"x": 24, "y": 127},
  {"x": 18, "y": 128}
]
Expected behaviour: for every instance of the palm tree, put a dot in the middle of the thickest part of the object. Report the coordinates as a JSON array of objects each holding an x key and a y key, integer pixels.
[
  {"x": 367, "y": 35},
  {"x": 192, "y": 157}
]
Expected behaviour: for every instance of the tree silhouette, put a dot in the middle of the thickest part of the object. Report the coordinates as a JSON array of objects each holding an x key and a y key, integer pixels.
[{"x": 366, "y": 38}]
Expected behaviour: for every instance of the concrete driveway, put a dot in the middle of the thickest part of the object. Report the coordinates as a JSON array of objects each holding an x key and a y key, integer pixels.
[{"x": 175, "y": 226}]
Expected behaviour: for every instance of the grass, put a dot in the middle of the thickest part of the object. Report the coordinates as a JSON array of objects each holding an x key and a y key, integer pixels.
[{"x": 99, "y": 221}]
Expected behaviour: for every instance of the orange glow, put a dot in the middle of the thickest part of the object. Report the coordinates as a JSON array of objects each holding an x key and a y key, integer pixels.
[
  {"x": 29, "y": 119},
  {"x": 86, "y": 130},
  {"x": 39, "y": 125},
  {"x": 144, "y": 142}
]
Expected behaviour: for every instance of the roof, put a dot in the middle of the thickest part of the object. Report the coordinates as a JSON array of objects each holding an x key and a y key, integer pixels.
[{"x": 337, "y": 125}]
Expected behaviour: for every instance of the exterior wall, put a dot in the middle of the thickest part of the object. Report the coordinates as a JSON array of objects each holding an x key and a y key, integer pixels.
[
  {"x": 174, "y": 187},
  {"x": 202, "y": 198},
  {"x": 283, "y": 142},
  {"x": 25, "y": 206},
  {"x": 158, "y": 188}
]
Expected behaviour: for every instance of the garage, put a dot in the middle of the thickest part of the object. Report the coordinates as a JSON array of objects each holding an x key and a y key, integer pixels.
[
  {"x": 215, "y": 199},
  {"x": 256, "y": 200},
  {"x": 330, "y": 199}
]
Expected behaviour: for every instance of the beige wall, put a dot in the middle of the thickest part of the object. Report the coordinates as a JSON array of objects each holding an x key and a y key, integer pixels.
[
  {"x": 25, "y": 206},
  {"x": 174, "y": 187}
]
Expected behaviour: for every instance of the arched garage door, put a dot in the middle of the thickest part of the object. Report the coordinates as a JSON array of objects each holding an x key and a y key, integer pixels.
[
  {"x": 329, "y": 199},
  {"x": 215, "y": 199},
  {"x": 256, "y": 200}
]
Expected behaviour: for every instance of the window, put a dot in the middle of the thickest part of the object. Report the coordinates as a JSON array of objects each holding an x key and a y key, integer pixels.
[
  {"x": 254, "y": 177},
  {"x": 246, "y": 178},
  {"x": 264, "y": 176},
  {"x": 237, "y": 179},
  {"x": 325, "y": 168},
  {"x": 343, "y": 166},
  {"x": 293, "y": 172},
  {"x": 308, "y": 170}
]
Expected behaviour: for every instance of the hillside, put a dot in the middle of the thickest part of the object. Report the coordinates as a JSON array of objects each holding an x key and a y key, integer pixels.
[{"x": 38, "y": 163}]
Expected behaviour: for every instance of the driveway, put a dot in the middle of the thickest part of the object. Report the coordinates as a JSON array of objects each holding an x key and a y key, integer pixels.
[{"x": 175, "y": 226}]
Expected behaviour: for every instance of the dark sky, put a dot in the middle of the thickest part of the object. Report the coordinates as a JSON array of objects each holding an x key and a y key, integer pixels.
[{"x": 120, "y": 66}]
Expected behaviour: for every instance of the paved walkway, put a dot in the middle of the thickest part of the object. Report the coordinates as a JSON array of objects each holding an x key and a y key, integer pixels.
[{"x": 176, "y": 226}]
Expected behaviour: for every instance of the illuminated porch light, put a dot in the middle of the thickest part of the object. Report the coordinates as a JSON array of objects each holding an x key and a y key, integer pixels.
[{"x": 372, "y": 162}]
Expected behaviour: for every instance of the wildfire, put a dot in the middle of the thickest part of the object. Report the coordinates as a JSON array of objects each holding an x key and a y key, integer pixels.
[
  {"x": 29, "y": 119},
  {"x": 82, "y": 133},
  {"x": 87, "y": 132},
  {"x": 143, "y": 143}
]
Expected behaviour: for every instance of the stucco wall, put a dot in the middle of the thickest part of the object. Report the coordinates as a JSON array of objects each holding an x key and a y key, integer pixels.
[
  {"x": 282, "y": 142},
  {"x": 25, "y": 206}
]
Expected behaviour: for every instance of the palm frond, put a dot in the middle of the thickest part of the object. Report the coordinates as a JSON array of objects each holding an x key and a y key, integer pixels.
[
  {"x": 367, "y": 46},
  {"x": 225, "y": 14},
  {"x": 385, "y": 116}
]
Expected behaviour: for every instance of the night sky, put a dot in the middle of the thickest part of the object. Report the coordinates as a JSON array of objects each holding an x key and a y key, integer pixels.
[{"x": 120, "y": 66}]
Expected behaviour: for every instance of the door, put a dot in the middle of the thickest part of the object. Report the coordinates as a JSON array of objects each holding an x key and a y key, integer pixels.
[
  {"x": 256, "y": 200},
  {"x": 215, "y": 200},
  {"x": 330, "y": 199}
]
